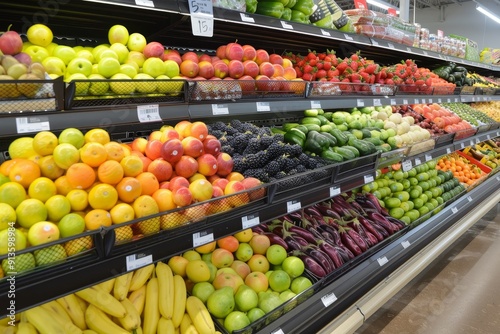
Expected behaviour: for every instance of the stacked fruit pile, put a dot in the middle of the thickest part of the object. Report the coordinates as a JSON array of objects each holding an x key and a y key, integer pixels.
[
  {"x": 442, "y": 117},
  {"x": 469, "y": 114},
  {"x": 490, "y": 109},
  {"x": 420, "y": 120},
  {"x": 487, "y": 152},
  {"x": 463, "y": 169},
  {"x": 59, "y": 186}
]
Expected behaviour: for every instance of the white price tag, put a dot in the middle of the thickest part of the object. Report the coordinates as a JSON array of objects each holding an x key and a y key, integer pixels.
[
  {"x": 477, "y": 141},
  {"x": 377, "y": 103},
  {"x": 405, "y": 101},
  {"x": 423, "y": 101},
  {"x": 263, "y": 106},
  {"x": 246, "y": 18},
  {"x": 425, "y": 53},
  {"x": 488, "y": 136},
  {"x": 498, "y": 177},
  {"x": 278, "y": 331},
  {"x": 469, "y": 198},
  {"x": 498, "y": 133},
  {"x": 328, "y": 299},
  {"x": 448, "y": 100},
  {"x": 462, "y": 99},
  {"x": 448, "y": 150},
  {"x": 382, "y": 260},
  {"x": 32, "y": 124},
  {"x": 409, "y": 49},
  {"x": 334, "y": 191},
  {"x": 286, "y": 25},
  {"x": 149, "y": 113},
  {"x": 405, "y": 244},
  {"x": 430, "y": 100},
  {"x": 440, "y": 56},
  {"x": 471, "y": 143},
  {"x": 349, "y": 38},
  {"x": 325, "y": 33},
  {"x": 417, "y": 101},
  {"x": 439, "y": 100},
  {"x": 292, "y": 206},
  {"x": 390, "y": 45},
  {"x": 202, "y": 17},
  {"x": 368, "y": 178},
  {"x": 393, "y": 102},
  {"x": 220, "y": 109},
  {"x": 201, "y": 238},
  {"x": 360, "y": 103},
  {"x": 375, "y": 42},
  {"x": 250, "y": 221},
  {"x": 454, "y": 210},
  {"x": 135, "y": 261},
  {"x": 428, "y": 157},
  {"x": 316, "y": 104},
  {"x": 457, "y": 100},
  {"x": 406, "y": 165},
  {"x": 473, "y": 99},
  {"x": 145, "y": 3},
  {"x": 462, "y": 146},
  {"x": 485, "y": 98},
  {"x": 417, "y": 161}
]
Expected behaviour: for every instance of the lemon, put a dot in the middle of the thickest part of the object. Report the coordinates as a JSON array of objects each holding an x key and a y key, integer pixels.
[
  {"x": 42, "y": 188},
  {"x": 7, "y": 216},
  {"x": 45, "y": 142},
  {"x": 72, "y": 136},
  {"x": 66, "y": 155},
  {"x": 30, "y": 212},
  {"x": 12, "y": 193},
  {"x": 78, "y": 199},
  {"x": 57, "y": 207},
  {"x": 22, "y": 148}
]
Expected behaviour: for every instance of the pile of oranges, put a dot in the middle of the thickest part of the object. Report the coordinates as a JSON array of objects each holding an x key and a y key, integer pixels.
[{"x": 465, "y": 171}]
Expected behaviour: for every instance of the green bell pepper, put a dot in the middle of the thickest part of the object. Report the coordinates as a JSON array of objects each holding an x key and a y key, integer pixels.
[
  {"x": 316, "y": 142},
  {"x": 251, "y": 6},
  {"x": 298, "y": 16},
  {"x": 274, "y": 8},
  {"x": 305, "y": 6},
  {"x": 284, "y": 2},
  {"x": 287, "y": 14},
  {"x": 291, "y": 3}
]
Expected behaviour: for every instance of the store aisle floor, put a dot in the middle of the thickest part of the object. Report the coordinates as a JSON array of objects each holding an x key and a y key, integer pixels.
[{"x": 458, "y": 293}]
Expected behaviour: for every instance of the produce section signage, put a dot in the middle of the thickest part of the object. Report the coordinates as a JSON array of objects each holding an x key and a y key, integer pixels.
[{"x": 360, "y": 4}]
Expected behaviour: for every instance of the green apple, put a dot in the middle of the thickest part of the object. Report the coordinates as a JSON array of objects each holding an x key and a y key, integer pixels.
[
  {"x": 50, "y": 48},
  {"x": 121, "y": 51},
  {"x": 136, "y": 57},
  {"x": 26, "y": 45},
  {"x": 79, "y": 65},
  {"x": 78, "y": 48},
  {"x": 106, "y": 53},
  {"x": 171, "y": 68},
  {"x": 81, "y": 88},
  {"x": 121, "y": 87},
  {"x": 95, "y": 68},
  {"x": 37, "y": 53},
  {"x": 85, "y": 54},
  {"x": 118, "y": 34},
  {"x": 236, "y": 320},
  {"x": 54, "y": 65},
  {"x": 65, "y": 53},
  {"x": 107, "y": 67},
  {"x": 39, "y": 34},
  {"x": 145, "y": 87},
  {"x": 154, "y": 67},
  {"x": 99, "y": 87},
  {"x": 136, "y": 42},
  {"x": 128, "y": 69},
  {"x": 98, "y": 49}
]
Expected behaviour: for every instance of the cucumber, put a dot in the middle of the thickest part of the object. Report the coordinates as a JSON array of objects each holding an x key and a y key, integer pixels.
[
  {"x": 311, "y": 112},
  {"x": 277, "y": 131},
  {"x": 340, "y": 136},
  {"x": 302, "y": 128},
  {"x": 363, "y": 147},
  {"x": 374, "y": 141},
  {"x": 312, "y": 127},
  {"x": 366, "y": 133},
  {"x": 311, "y": 120},
  {"x": 331, "y": 138},
  {"x": 323, "y": 119},
  {"x": 353, "y": 150},
  {"x": 332, "y": 156},
  {"x": 288, "y": 126},
  {"x": 344, "y": 152}
]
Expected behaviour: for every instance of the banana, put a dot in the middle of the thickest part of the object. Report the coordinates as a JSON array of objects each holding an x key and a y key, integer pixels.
[
  {"x": 179, "y": 300},
  {"x": 96, "y": 296},
  {"x": 165, "y": 326},
  {"x": 108, "y": 285},
  {"x": 89, "y": 331},
  {"x": 139, "y": 331},
  {"x": 199, "y": 315},
  {"x": 83, "y": 304},
  {"x": 138, "y": 297},
  {"x": 185, "y": 323},
  {"x": 122, "y": 285},
  {"x": 151, "y": 307},
  {"x": 10, "y": 330},
  {"x": 165, "y": 289},
  {"x": 24, "y": 327},
  {"x": 99, "y": 321},
  {"x": 72, "y": 306},
  {"x": 191, "y": 330},
  {"x": 141, "y": 276},
  {"x": 132, "y": 320},
  {"x": 59, "y": 315},
  {"x": 43, "y": 321}
]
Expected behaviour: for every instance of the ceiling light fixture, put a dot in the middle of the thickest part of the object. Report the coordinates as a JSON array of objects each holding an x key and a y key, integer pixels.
[
  {"x": 487, "y": 13},
  {"x": 381, "y": 4}
]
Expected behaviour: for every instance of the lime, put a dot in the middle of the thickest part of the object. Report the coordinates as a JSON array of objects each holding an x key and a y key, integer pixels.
[
  {"x": 440, "y": 200},
  {"x": 422, "y": 177},
  {"x": 413, "y": 181},
  {"x": 432, "y": 183},
  {"x": 415, "y": 193},
  {"x": 405, "y": 219},
  {"x": 412, "y": 172},
  {"x": 398, "y": 175},
  {"x": 396, "y": 212},
  {"x": 392, "y": 202},
  {"x": 423, "y": 210},
  {"x": 430, "y": 206},
  {"x": 396, "y": 187},
  {"x": 370, "y": 187},
  {"x": 413, "y": 214},
  {"x": 424, "y": 184},
  {"x": 434, "y": 202},
  {"x": 403, "y": 196},
  {"x": 389, "y": 175},
  {"x": 406, "y": 183},
  {"x": 428, "y": 193},
  {"x": 71, "y": 224},
  {"x": 378, "y": 194},
  {"x": 7, "y": 216},
  {"x": 418, "y": 203},
  {"x": 57, "y": 207},
  {"x": 424, "y": 198},
  {"x": 407, "y": 206}
]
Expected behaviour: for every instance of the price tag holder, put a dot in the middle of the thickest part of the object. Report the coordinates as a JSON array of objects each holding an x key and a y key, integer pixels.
[
  {"x": 278, "y": 331},
  {"x": 145, "y": 3},
  {"x": 263, "y": 106},
  {"x": 457, "y": 100},
  {"x": 202, "y": 17},
  {"x": 316, "y": 104},
  {"x": 425, "y": 53},
  {"x": 477, "y": 140},
  {"x": 135, "y": 261},
  {"x": 428, "y": 157},
  {"x": 374, "y": 42},
  {"x": 405, "y": 244},
  {"x": 368, "y": 178},
  {"x": 439, "y": 100},
  {"x": 471, "y": 142},
  {"x": 246, "y": 18},
  {"x": 430, "y": 100},
  {"x": 250, "y": 221},
  {"x": 390, "y": 45},
  {"x": 498, "y": 133},
  {"x": 325, "y": 33},
  {"x": 417, "y": 101},
  {"x": 349, "y": 38},
  {"x": 32, "y": 124},
  {"x": 407, "y": 165},
  {"x": 360, "y": 103},
  {"x": 498, "y": 177},
  {"x": 448, "y": 100},
  {"x": 334, "y": 191},
  {"x": 423, "y": 101},
  {"x": 448, "y": 150},
  {"x": 203, "y": 237},
  {"x": 286, "y": 25},
  {"x": 377, "y": 103},
  {"x": 220, "y": 109},
  {"x": 149, "y": 113},
  {"x": 488, "y": 136},
  {"x": 328, "y": 299},
  {"x": 409, "y": 49},
  {"x": 469, "y": 198},
  {"x": 292, "y": 206},
  {"x": 417, "y": 161},
  {"x": 405, "y": 101},
  {"x": 454, "y": 210},
  {"x": 382, "y": 260},
  {"x": 393, "y": 102},
  {"x": 462, "y": 145}
]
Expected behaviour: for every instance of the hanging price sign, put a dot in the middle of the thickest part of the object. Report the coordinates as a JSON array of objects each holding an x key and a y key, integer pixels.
[{"x": 202, "y": 17}]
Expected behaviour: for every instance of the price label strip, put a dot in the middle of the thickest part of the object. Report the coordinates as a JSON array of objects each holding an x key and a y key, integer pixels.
[
  {"x": 454, "y": 210},
  {"x": 286, "y": 25},
  {"x": 405, "y": 244},
  {"x": 246, "y": 18},
  {"x": 407, "y": 165},
  {"x": 220, "y": 109},
  {"x": 382, "y": 260},
  {"x": 360, "y": 103},
  {"x": 202, "y": 17},
  {"x": 263, "y": 106},
  {"x": 349, "y": 38},
  {"x": 278, "y": 331},
  {"x": 328, "y": 299},
  {"x": 448, "y": 150},
  {"x": 405, "y": 101},
  {"x": 377, "y": 103},
  {"x": 417, "y": 161},
  {"x": 32, "y": 124},
  {"x": 145, "y": 3},
  {"x": 201, "y": 238},
  {"x": 325, "y": 33},
  {"x": 135, "y": 261},
  {"x": 393, "y": 102},
  {"x": 368, "y": 178},
  {"x": 334, "y": 191},
  {"x": 292, "y": 206},
  {"x": 428, "y": 157},
  {"x": 148, "y": 113},
  {"x": 469, "y": 198},
  {"x": 250, "y": 221},
  {"x": 315, "y": 104}
]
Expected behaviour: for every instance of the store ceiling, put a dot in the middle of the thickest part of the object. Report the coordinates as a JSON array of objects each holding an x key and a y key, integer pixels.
[{"x": 349, "y": 4}]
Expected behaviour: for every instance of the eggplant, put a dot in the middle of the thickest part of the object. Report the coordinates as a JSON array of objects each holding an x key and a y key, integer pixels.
[
  {"x": 356, "y": 225},
  {"x": 374, "y": 200},
  {"x": 258, "y": 229},
  {"x": 382, "y": 221},
  {"x": 312, "y": 211},
  {"x": 348, "y": 242},
  {"x": 344, "y": 252},
  {"x": 311, "y": 264},
  {"x": 332, "y": 231},
  {"x": 367, "y": 224},
  {"x": 301, "y": 232},
  {"x": 381, "y": 230},
  {"x": 396, "y": 222},
  {"x": 358, "y": 239},
  {"x": 293, "y": 244},
  {"x": 320, "y": 257},
  {"x": 332, "y": 252},
  {"x": 327, "y": 211},
  {"x": 373, "y": 239},
  {"x": 276, "y": 240},
  {"x": 327, "y": 237}
]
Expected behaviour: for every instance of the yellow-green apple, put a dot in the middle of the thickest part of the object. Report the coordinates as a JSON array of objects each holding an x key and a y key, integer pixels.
[
  {"x": 189, "y": 68},
  {"x": 257, "y": 281},
  {"x": 37, "y": 53},
  {"x": 64, "y": 52},
  {"x": 120, "y": 85},
  {"x": 153, "y": 49},
  {"x": 136, "y": 57},
  {"x": 172, "y": 150},
  {"x": 79, "y": 65},
  {"x": 100, "y": 87},
  {"x": 225, "y": 164},
  {"x": 154, "y": 67},
  {"x": 171, "y": 68},
  {"x": 106, "y": 53},
  {"x": 81, "y": 87},
  {"x": 108, "y": 67},
  {"x": 85, "y": 54},
  {"x": 259, "y": 243},
  {"x": 39, "y": 34},
  {"x": 121, "y": 51},
  {"x": 258, "y": 262},
  {"x": 129, "y": 70},
  {"x": 54, "y": 65},
  {"x": 118, "y": 34},
  {"x": 244, "y": 252},
  {"x": 186, "y": 166},
  {"x": 236, "y": 69},
  {"x": 96, "y": 50},
  {"x": 234, "y": 51},
  {"x": 222, "y": 258},
  {"x": 147, "y": 86},
  {"x": 136, "y": 42}
]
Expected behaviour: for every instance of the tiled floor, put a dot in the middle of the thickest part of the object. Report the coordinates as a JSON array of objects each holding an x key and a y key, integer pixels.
[{"x": 458, "y": 293}]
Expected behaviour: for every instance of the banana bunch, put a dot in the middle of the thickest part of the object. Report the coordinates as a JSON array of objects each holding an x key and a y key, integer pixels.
[
  {"x": 481, "y": 81},
  {"x": 149, "y": 300}
]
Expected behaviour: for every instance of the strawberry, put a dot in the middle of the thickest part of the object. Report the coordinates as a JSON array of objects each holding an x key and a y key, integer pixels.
[
  {"x": 419, "y": 82},
  {"x": 321, "y": 74},
  {"x": 428, "y": 81},
  {"x": 313, "y": 62},
  {"x": 311, "y": 55},
  {"x": 333, "y": 73},
  {"x": 307, "y": 77},
  {"x": 365, "y": 76},
  {"x": 319, "y": 66},
  {"x": 355, "y": 57},
  {"x": 354, "y": 65},
  {"x": 355, "y": 77},
  {"x": 327, "y": 65},
  {"x": 322, "y": 56},
  {"x": 308, "y": 68},
  {"x": 371, "y": 68},
  {"x": 342, "y": 67}
]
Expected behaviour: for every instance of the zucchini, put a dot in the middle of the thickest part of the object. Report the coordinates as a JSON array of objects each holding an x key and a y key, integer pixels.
[{"x": 344, "y": 152}]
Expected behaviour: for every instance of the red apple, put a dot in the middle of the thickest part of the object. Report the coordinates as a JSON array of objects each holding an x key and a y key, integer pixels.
[
  {"x": 289, "y": 73},
  {"x": 11, "y": 43},
  {"x": 252, "y": 182},
  {"x": 177, "y": 182},
  {"x": 220, "y": 183},
  {"x": 190, "y": 55},
  {"x": 236, "y": 187},
  {"x": 23, "y": 57},
  {"x": 172, "y": 150},
  {"x": 247, "y": 83},
  {"x": 204, "y": 57},
  {"x": 236, "y": 69},
  {"x": 261, "y": 56},
  {"x": 275, "y": 58},
  {"x": 192, "y": 146},
  {"x": 182, "y": 196},
  {"x": 225, "y": 164},
  {"x": 249, "y": 52},
  {"x": 139, "y": 144},
  {"x": 262, "y": 82},
  {"x": 187, "y": 166},
  {"x": 221, "y": 52},
  {"x": 153, "y": 49},
  {"x": 251, "y": 68},
  {"x": 207, "y": 164},
  {"x": 267, "y": 69},
  {"x": 153, "y": 149},
  {"x": 212, "y": 146},
  {"x": 172, "y": 55},
  {"x": 169, "y": 134},
  {"x": 206, "y": 69},
  {"x": 234, "y": 51},
  {"x": 189, "y": 68},
  {"x": 221, "y": 70},
  {"x": 161, "y": 169},
  {"x": 279, "y": 71}
]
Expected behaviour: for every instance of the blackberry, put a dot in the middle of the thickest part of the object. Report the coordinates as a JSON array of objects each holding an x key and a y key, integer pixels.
[
  {"x": 217, "y": 133},
  {"x": 238, "y": 165},
  {"x": 280, "y": 175},
  {"x": 312, "y": 163},
  {"x": 252, "y": 147},
  {"x": 274, "y": 151},
  {"x": 237, "y": 124},
  {"x": 304, "y": 159},
  {"x": 293, "y": 150},
  {"x": 272, "y": 168},
  {"x": 221, "y": 126},
  {"x": 227, "y": 149},
  {"x": 289, "y": 165},
  {"x": 232, "y": 131},
  {"x": 258, "y": 173},
  {"x": 262, "y": 158},
  {"x": 265, "y": 130},
  {"x": 265, "y": 141},
  {"x": 248, "y": 127},
  {"x": 239, "y": 143},
  {"x": 301, "y": 168},
  {"x": 251, "y": 161},
  {"x": 279, "y": 138}
]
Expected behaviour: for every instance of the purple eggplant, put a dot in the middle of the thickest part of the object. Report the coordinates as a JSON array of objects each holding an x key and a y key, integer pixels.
[
  {"x": 320, "y": 257},
  {"x": 300, "y": 231},
  {"x": 293, "y": 244},
  {"x": 367, "y": 224},
  {"x": 349, "y": 242},
  {"x": 366, "y": 204},
  {"x": 327, "y": 211},
  {"x": 310, "y": 264},
  {"x": 381, "y": 229},
  {"x": 344, "y": 252},
  {"x": 276, "y": 240},
  {"x": 258, "y": 229},
  {"x": 312, "y": 211},
  {"x": 374, "y": 200},
  {"x": 359, "y": 228},
  {"x": 373, "y": 239},
  {"x": 358, "y": 239},
  {"x": 295, "y": 217},
  {"x": 332, "y": 231},
  {"x": 397, "y": 222},
  {"x": 381, "y": 220},
  {"x": 327, "y": 237},
  {"x": 359, "y": 209},
  {"x": 332, "y": 253}
]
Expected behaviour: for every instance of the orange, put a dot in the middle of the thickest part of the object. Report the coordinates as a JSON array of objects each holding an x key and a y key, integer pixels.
[
  {"x": 80, "y": 176},
  {"x": 122, "y": 213},
  {"x": 149, "y": 183},
  {"x": 164, "y": 199},
  {"x": 110, "y": 172},
  {"x": 42, "y": 189},
  {"x": 129, "y": 188},
  {"x": 78, "y": 199},
  {"x": 49, "y": 168},
  {"x": 93, "y": 154},
  {"x": 97, "y": 218},
  {"x": 45, "y": 142},
  {"x": 7, "y": 165},
  {"x": 24, "y": 172},
  {"x": 63, "y": 186},
  {"x": 103, "y": 196},
  {"x": 97, "y": 136},
  {"x": 115, "y": 151},
  {"x": 132, "y": 165},
  {"x": 144, "y": 206},
  {"x": 66, "y": 155}
]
